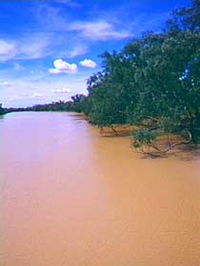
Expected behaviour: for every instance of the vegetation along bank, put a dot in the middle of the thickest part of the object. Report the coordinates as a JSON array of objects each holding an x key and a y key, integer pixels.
[{"x": 153, "y": 83}]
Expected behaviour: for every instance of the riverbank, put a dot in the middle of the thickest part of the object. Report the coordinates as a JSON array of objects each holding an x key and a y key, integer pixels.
[{"x": 180, "y": 149}]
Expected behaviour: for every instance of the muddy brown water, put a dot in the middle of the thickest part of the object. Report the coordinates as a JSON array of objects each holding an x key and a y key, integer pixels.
[{"x": 73, "y": 198}]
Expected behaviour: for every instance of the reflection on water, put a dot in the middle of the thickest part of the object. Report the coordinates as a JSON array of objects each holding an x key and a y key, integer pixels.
[{"x": 71, "y": 197}]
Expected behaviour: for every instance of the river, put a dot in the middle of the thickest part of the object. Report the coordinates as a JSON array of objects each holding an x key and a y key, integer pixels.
[{"x": 74, "y": 198}]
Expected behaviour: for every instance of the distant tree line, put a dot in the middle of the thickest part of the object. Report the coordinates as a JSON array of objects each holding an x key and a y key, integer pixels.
[
  {"x": 75, "y": 105},
  {"x": 2, "y": 110},
  {"x": 11, "y": 109}
]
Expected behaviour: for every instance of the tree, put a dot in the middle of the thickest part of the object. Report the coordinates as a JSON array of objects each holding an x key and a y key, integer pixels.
[
  {"x": 153, "y": 81},
  {"x": 186, "y": 18},
  {"x": 2, "y": 110}
]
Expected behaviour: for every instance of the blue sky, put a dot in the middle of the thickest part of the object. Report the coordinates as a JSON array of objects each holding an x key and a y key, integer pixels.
[{"x": 48, "y": 49}]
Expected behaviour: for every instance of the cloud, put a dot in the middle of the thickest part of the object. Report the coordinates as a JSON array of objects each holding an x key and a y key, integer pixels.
[
  {"x": 34, "y": 47},
  {"x": 48, "y": 88},
  {"x": 64, "y": 1},
  {"x": 6, "y": 47},
  {"x": 36, "y": 95},
  {"x": 63, "y": 90},
  {"x": 61, "y": 66},
  {"x": 7, "y": 50},
  {"x": 26, "y": 47},
  {"x": 70, "y": 3},
  {"x": 50, "y": 18},
  {"x": 6, "y": 84},
  {"x": 99, "y": 30},
  {"x": 17, "y": 67},
  {"x": 77, "y": 51},
  {"x": 88, "y": 63}
]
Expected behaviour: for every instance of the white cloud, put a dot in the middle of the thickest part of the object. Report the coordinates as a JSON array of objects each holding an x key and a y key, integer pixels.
[
  {"x": 6, "y": 47},
  {"x": 36, "y": 95},
  {"x": 27, "y": 90},
  {"x": 99, "y": 30},
  {"x": 61, "y": 66},
  {"x": 63, "y": 90},
  {"x": 26, "y": 47},
  {"x": 88, "y": 63},
  {"x": 6, "y": 84},
  {"x": 7, "y": 50},
  {"x": 77, "y": 51},
  {"x": 34, "y": 47},
  {"x": 54, "y": 71}
]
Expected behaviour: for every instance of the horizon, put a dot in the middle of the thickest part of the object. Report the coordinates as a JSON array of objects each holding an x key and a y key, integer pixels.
[{"x": 48, "y": 49}]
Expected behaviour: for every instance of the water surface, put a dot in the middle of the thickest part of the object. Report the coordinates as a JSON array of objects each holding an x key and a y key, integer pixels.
[{"x": 73, "y": 198}]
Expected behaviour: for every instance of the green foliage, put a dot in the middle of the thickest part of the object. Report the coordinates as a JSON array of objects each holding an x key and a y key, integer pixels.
[
  {"x": 54, "y": 106},
  {"x": 143, "y": 137},
  {"x": 156, "y": 76},
  {"x": 186, "y": 18},
  {"x": 2, "y": 110},
  {"x": 76, "y": 105}
]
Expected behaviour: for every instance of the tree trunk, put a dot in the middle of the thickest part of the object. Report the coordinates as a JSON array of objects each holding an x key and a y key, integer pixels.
[{"x": 114, "y": 130}]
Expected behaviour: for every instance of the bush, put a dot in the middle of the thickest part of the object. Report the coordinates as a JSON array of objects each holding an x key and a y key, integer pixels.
[{"x": 143, "y": 136}]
